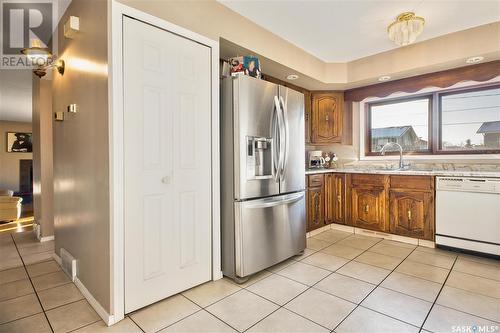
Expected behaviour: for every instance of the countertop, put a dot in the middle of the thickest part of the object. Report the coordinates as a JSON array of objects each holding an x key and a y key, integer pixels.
[{"x": 413, "y": 172}]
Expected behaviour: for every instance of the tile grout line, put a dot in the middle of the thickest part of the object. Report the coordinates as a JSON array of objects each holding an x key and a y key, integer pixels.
[
  {"x": 80, "y": 327},
  {"x": 437, "y": 296},
  {"x": 378, "y": 285},
  {"x": 33, "y": 286},
  {"x": 136, "y": 323},
  {"x": 312, "y": 287}
]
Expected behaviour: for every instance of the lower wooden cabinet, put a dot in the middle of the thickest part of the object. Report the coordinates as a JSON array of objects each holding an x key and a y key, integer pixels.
[
  {"x": 401, "y": 205},
  {"x": 369, "y": 208},
  {"x": 412, "y": 214},
  {"x": 335, "y": 208},
  {"x": 315, "y": 208}
]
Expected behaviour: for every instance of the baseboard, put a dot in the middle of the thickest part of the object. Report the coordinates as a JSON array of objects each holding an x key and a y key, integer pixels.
[
  {"x": 106, "y": 317},
  {"x": 217, "y": 276},
  {"x": 57, "y": 258},
  {"x": 372, "y": 233},
  {"x": 317, "y": 231},
  {"x": 342, "y": 227},
  {"x": 46, "y": 239}
]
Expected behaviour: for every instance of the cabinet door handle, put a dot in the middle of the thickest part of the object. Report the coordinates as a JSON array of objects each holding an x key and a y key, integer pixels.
[
  {"x": 367, "y": 208},
  {"x": 409, "y": 214},
  {"x": 327, "y": 118},
  {"x": 339, "y": 198}
]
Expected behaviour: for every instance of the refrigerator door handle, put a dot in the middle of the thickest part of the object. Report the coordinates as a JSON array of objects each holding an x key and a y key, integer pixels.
[
  {"x": 286, "y": 132},
  {"x": 272, "y": 202},
  {"x": 278, "y": 139}
]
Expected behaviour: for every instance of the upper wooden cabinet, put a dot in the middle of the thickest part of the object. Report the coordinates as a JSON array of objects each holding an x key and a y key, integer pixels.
[
  {"x": 307, "y": 116},
  {"x": 326, "y": 120}
]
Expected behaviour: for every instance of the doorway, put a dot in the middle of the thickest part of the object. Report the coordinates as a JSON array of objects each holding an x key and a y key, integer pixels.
[{"x": 167, "y": 137}]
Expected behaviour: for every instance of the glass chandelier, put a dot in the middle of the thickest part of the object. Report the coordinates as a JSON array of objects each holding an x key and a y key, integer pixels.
[{"x": 405, "y": 29}]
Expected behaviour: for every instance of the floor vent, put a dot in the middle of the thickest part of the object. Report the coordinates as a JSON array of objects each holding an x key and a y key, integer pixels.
[{"x": 68, "y": 264}]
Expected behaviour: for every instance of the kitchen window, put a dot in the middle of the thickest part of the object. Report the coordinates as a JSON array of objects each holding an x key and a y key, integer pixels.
[
  {"x": 460, "y": 121},
  {"x": 470, "y": 120}
]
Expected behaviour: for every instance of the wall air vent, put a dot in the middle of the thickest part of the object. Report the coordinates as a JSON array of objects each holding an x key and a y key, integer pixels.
[{"x": 68, "y": 264}]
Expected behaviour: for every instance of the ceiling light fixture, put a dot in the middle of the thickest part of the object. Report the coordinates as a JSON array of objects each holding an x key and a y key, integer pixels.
[
  {"x": 474, "y": 60},
  {"x": 292, "y": 77},
  {"x": 406, "y": 28},
  {"x": 42, "y": 59},
  {"x": 384, "y": 78}
]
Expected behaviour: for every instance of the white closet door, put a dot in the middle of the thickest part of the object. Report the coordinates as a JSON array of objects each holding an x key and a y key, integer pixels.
[{"x": 167, "y": 163}]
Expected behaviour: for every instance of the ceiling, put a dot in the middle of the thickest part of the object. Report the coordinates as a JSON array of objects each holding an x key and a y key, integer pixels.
[{"x": 343, "y": 31}]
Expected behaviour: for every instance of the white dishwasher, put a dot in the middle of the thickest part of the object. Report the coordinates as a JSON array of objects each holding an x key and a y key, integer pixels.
[{"x": 468, "y": 213}]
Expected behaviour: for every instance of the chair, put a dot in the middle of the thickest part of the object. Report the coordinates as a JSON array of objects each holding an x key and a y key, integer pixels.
[
  {"x": 7, "y": 193},
  {"x": 10, "y": 208}
]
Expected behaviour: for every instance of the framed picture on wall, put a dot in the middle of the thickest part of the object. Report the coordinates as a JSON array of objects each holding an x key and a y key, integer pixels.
[{"x": 18, "y": 142}]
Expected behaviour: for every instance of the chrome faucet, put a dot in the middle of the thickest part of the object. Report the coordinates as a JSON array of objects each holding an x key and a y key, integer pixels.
[{"x": 384, "y": 148}]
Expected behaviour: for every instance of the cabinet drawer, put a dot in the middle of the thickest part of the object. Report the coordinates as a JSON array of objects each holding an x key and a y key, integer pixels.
[
  {"x": 315, "y": 180},
  {"x": 367, "y": 180},
  {"x": 412, "y": 182}
]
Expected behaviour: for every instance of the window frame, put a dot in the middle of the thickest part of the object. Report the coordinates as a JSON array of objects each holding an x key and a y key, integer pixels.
[
  {"x": 435, "y": 120},
  {"x": 438, "y": 149},
  {"x": 368, "y": 121}
]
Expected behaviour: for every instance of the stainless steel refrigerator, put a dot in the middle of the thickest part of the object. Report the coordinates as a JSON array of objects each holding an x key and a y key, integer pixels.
[{"x": 262, "y": 175}]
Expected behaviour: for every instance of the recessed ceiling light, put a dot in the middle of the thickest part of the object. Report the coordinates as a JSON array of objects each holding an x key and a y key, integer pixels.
[
  {"x": 292, "y": 77},
  {"x": 474, "y": 60},
  {"x": 384, "y": 78}
]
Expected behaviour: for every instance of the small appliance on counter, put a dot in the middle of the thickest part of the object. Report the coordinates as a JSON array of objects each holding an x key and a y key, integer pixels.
[{"x": 316, "y": 159}]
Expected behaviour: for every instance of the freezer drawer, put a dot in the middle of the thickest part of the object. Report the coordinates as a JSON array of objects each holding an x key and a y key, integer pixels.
[{"x": 268, "y": 231}]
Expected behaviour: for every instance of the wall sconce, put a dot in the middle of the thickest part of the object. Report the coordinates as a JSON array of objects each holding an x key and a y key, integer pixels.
[{"x": 42, "y": 59}]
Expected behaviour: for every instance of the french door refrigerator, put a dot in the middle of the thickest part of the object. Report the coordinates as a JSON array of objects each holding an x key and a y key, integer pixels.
[{"x": 262, "y": 175}]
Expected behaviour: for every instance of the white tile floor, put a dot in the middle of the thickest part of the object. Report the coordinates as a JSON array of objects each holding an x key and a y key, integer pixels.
[{"x": 342, "y": 283}]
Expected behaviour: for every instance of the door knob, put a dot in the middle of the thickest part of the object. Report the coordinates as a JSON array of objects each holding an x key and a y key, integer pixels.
[{"x": 166, "y": 180}]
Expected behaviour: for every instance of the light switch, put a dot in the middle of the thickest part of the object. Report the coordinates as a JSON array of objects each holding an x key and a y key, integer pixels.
[
  {"x": 72, "y": 26},
  {"x": 73, "y": 108},
  {"x": 59, "y": 116}
]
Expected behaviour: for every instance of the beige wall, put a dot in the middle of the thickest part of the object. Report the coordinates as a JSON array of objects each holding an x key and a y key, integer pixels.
[
  {"x": 81, "y": 173},
  {"x": 211, "y": 19},
  {"x": 43, "y": 181},
  {"x": 9, "y": 162}
]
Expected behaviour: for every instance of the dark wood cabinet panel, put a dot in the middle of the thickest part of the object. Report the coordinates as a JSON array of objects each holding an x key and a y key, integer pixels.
[
  {"x": 315, "y": 180},
  {"x": 369, "y": 208},
  {"x": 307, "y": 116},
  {"x": 424, "y": 183},
  {"x": 335, "y": 205},
  {"x": 315, "y": 208},
  {"x": 326, "y": 124},
  {"x": 412, "y": 214}
]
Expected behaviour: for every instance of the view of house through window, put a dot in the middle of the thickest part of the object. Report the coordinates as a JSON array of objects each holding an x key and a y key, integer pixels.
[
  {"x": 471, "y": 120},
  {"x": 405, "y": 122},
  {"x": 465, "y": 121}
]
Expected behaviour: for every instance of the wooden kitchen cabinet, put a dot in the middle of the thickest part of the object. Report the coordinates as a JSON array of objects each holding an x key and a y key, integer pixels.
[
  {"x": 307, "y": 116},
  {"x": 369, "y": 208},
  {"x": 315, "y": 206},
  {"x": 411, "y": 211},
  {"x": 326, "y": 117},
  {"x": 335, "y": 205}
]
